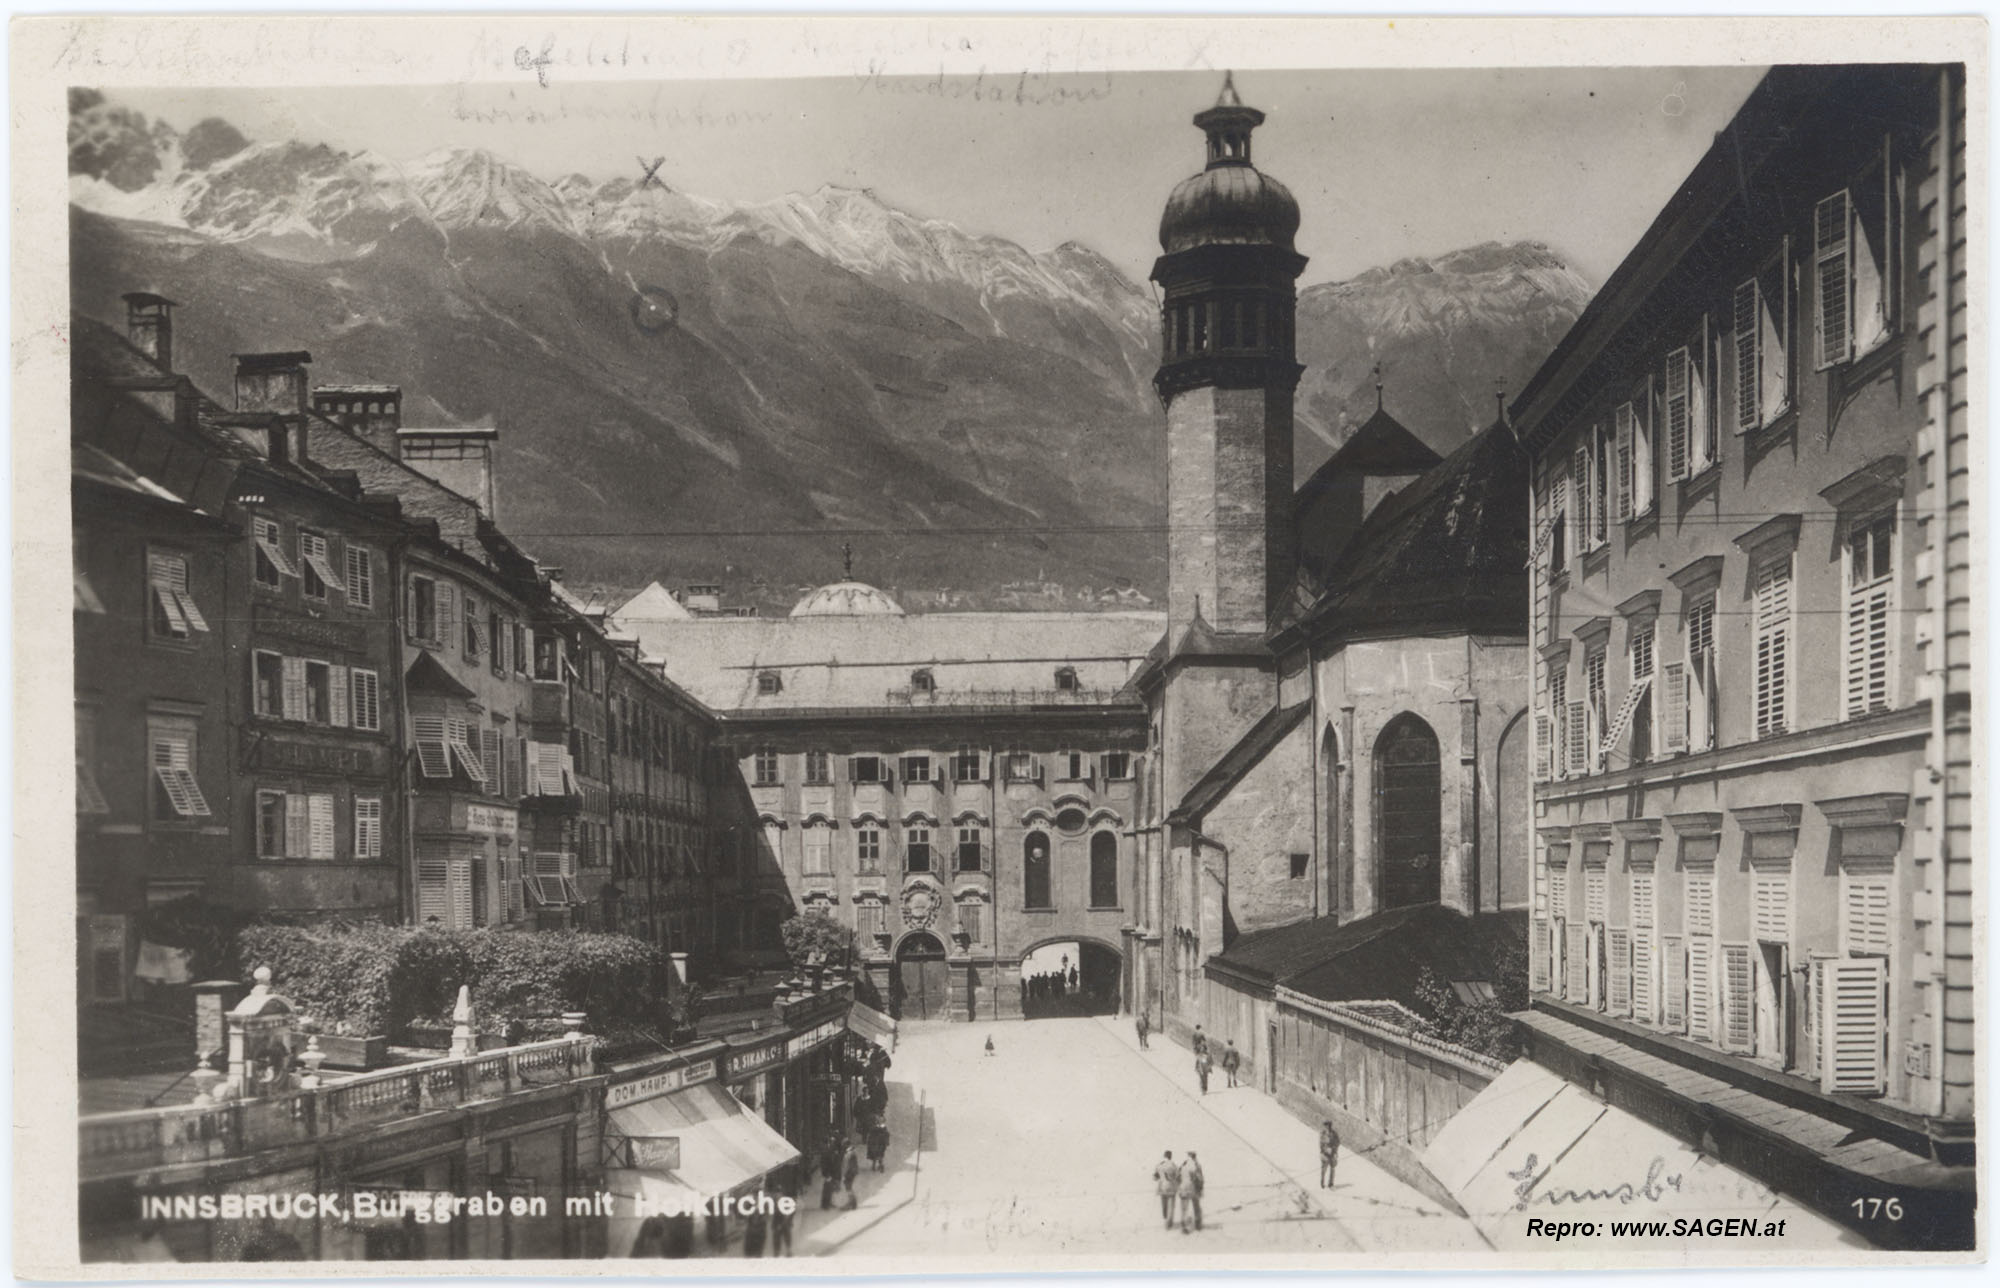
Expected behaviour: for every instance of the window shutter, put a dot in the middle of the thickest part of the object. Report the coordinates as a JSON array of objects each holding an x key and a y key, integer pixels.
[
  {"x": 319, "y": 825},
  {"x": 1559, "y": 507},
  {"x": 1679, "y": 453},
  {"x": 1673, "y": 707},
  {"x": 1747, "y": 322},
  {"x": 1700, "y": 419},
  {"x": 1578, "y": 739},
  {"x": 298, "y": 838},
  {"x": 366, "y": 708},
  {"x": 1559, "y": 889},
  {"x": 458, "y": 736},
  {"x": 1868, "y": 650},
  {"x": 1623, "y": 720},
  {"x": 1618, "y": 947},
  {"x": 1700, "y": 903},
  {"x": 339, "y": 689},
  {"x": 461, "y": 894},
  {"x": 1624, "y": 450},
  {"x": 1873, "y": 265},
  {"x": 1864, "y": 909},
  {"x": 295, "y": 688},
  {"x": 1543, "y": 732},
  {"x": 1852, "y": 1027},
  {"x": 1644, "y": 416},
  {"x": 1595, "y": 900},
  {"x": 1773, "y": 609},
  {"x": 433, "y": 891},
  {"x": 1774, "y": 300},
  {"x": 1673, "y": 1001},
  {"x": 1770, "y": 904},
  {"x": 433, "y": 757},
  {"x": 367, "y": 827},
  {"x": 1577, "y": 954},
  {"x": 1580, "y": 471},
  {"x": 360, "y": 578},
  {"x": 548, "y": 768},
  {"x": 1701, "y": 989},
  {"x": 489, "y": 758},
  {"x": 1642, "y": 977},
  {"x": 1642, "y": 900},
  {"x": 1738, "y": 1031},
  {"x": 1833, "y": 279},
  {"x": 1538, "y": 957}
]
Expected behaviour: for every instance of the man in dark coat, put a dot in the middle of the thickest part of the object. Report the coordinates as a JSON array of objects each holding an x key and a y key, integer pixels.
[
  {"x": 1167, "y": 1181},
  {"x": 1144, "y": 1027},
  {"x": 1232, "y": 1060},
  {"x": 1329, "y": 1153}
]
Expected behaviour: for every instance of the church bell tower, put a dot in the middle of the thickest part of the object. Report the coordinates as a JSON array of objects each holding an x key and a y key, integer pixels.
[{"x": 1227, "y": 375}]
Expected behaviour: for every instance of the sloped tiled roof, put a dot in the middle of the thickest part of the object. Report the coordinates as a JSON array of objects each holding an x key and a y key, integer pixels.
[
  {"x": 1378, "y": 958},
  {"x": 1380, "y": 446},
  {"x": 654, "y": 603},
  {"x": 857, "y": 663},
  {"x": 1239, "y": 760},
  {"x": 1450, "y": 551}
]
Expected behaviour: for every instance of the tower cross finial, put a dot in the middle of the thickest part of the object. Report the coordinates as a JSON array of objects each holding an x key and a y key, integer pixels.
[
  {"x": 1500, "y": 396},
  {"x": 1378, "y": 386},
  {"x": 1228, "y": 97},
  {"x": 846, "y": 561}
]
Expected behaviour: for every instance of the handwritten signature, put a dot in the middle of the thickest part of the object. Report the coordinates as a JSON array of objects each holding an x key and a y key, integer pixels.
[{"x": 1653, "y": 1188}]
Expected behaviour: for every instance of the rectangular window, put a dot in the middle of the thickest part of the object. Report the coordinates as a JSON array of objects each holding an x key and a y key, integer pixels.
[
  {"x": 271, "y": 825},
  {"x": 1700, "y": 702},
  {"x": 969, "y": 921},
  {"x": 360, "y": 576},
  {"x": 1557, "y": 538},
  {"x": 1761, "y": 327},
  {"x": 269, "y": 564},
  {"x": 473, "y": 642},
  {"x": 1300, "y": 862},
  {"x": 1833, "y": 280},
  {"x": 1559, "y": 711},
  {"x": 316, "y": 560},
  {"x": 433, "y": 754},
  {"x": 496, "y": 635},
  {"x": 1870, "y": 615},
  {"x": 176, "y": 794},
  {"x": 267, "y": 672},
  {"x": 917, "y": 849},
  {"x": 1115, "y": 765},
  {"x": 319, "y": 693},
  {"x": 971, "y": 849},
  {"x": 423, "y": 609},
  {"x": 1771, "y": 903},
  {"x": 865, "y": 769},
  {"x": 916, "y": 769},
  {"x": 765, "y": 761},
  {"x": 1074, "y": 766},
  {"x": 817, "y": 772},
  {"x": 548, "y": 656},
  {"x": 1772, "y": 617},
  {"x": 1585, "y": 485},
  {"x": 1023, "y": 767},
  {"x": 89, "y": 795},
  {"x": 819, "y": 848},
  {"x": 174, "y": 614},
  {"x": 968, "y": 766},
  {"x": 519, "y": 647},
  {"x": 1864, "y": 909},
  {"x": 366, "y": 699}
]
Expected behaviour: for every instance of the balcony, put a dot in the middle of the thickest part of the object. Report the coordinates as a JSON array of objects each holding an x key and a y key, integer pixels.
[{"x": 143, "y": 1140}]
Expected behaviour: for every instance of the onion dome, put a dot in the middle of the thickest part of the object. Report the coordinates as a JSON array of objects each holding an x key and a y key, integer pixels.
[
  {"x": 847, "y": 599},
  {"x": 1231, "y": 202}
]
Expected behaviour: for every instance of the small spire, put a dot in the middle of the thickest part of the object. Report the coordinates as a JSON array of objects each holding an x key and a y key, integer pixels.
[
  {"x": 846, "y": 561},
  {"x": 1228, "y": 97},
  {"x": 1500, "y": 397},
  {"x": 1378, "y": 386}
]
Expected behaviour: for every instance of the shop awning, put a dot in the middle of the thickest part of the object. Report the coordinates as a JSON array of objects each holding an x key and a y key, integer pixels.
[
  {"x": 870, "y": 1023},
  {"x": 722, "y": 1145},
  {"x": 1533, "y": 1144}
]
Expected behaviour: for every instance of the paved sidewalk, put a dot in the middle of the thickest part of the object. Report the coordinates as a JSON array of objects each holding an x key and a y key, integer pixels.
[
  {"x": 1379, "y": 1211},
  {"x": 877, "y": 1194}
]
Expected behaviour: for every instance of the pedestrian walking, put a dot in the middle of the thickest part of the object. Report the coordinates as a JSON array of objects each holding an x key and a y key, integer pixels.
[
  {"x": 850, "y": 1167},
  {"x": 1144, "y": 1028},
  {"x": 1199, "y": 1041},
  {"x": 1329, "y": 1153},
  {"x": 755, "y": 1224},
  {"x": 1191, "y": 1184},
  {"x": 1167, "y": 1180},
  {"x": 1232, "y": 1060},
  {"x": 829, "y": 1171},
  {"x": 878, "y": 1145},
  {"x": 1202, "y": 1064}
]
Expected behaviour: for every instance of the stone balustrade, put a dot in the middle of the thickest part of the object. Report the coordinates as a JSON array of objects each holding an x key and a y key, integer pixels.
[{"x": 141, "y": 1139}]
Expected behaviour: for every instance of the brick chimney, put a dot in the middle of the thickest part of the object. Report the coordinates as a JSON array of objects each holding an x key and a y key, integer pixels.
[
  {"x": 276, "y": 383},
  {"x": 149, "y": 324},
  {"x": 372, "y": 412},
  {"x": 461, "y": 459}
]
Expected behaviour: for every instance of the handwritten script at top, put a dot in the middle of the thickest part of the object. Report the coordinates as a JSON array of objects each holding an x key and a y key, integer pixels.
[{"x": 1021, "y": 89}]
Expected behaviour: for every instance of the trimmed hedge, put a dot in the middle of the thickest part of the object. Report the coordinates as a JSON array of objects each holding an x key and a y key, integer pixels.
[{"x": 365, "y": 979}]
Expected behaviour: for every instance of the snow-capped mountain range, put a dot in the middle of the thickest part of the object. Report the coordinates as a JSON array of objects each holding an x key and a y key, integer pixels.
[{"x": 837, "y": 361}]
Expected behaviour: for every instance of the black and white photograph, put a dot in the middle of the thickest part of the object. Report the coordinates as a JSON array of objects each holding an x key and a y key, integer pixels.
[{"x": 894, "y": 646}]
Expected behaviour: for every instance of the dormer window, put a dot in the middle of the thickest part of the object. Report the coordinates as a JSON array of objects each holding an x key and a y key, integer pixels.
[
  {"x": 768, "y": 683},
  {"x": 923, "y": 682},
  {"x": 1066, "y": 679}
]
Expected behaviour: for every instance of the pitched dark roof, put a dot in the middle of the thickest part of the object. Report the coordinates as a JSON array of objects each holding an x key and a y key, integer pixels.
[
  {"x": 1450, "y": 551},
  {"x": 1378, "y": 958},
  {"x": 428, "y": 678},
  {"x": 1238, "y": 761},
  {"x": 1380, "y": 446}
]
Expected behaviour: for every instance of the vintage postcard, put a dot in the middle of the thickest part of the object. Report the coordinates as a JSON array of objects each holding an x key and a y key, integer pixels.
[{"x": 828, "y": 646}]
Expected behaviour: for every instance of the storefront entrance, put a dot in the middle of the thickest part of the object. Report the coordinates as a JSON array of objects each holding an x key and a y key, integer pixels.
[{"x": 920, "y": 988}]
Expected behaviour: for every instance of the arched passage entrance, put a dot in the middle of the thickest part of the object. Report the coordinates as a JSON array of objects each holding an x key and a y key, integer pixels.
[
  {"x": 1070, "y": 977},
  {"x": 1408, "y": 808},
  {"x": 921, "y": 986}
]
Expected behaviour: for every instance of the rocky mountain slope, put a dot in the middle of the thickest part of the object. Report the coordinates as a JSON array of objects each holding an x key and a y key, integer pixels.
[{"x": 981, "y": 414}]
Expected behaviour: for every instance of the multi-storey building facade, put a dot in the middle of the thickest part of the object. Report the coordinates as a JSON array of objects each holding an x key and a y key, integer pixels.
[
  {"x": 1749, "y": 612},
  {"x": 957, "y": 787}
]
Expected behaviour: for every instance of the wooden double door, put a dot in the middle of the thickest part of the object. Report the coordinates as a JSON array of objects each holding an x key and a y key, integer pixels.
[{"x": 923, "y": 980}]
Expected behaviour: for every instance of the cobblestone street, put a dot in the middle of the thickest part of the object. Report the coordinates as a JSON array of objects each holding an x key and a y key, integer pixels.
[{"x": 1048, "y": 1146}]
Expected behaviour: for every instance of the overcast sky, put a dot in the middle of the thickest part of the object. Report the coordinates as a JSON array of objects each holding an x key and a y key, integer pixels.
[{"x": 1385, "y": 163}]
